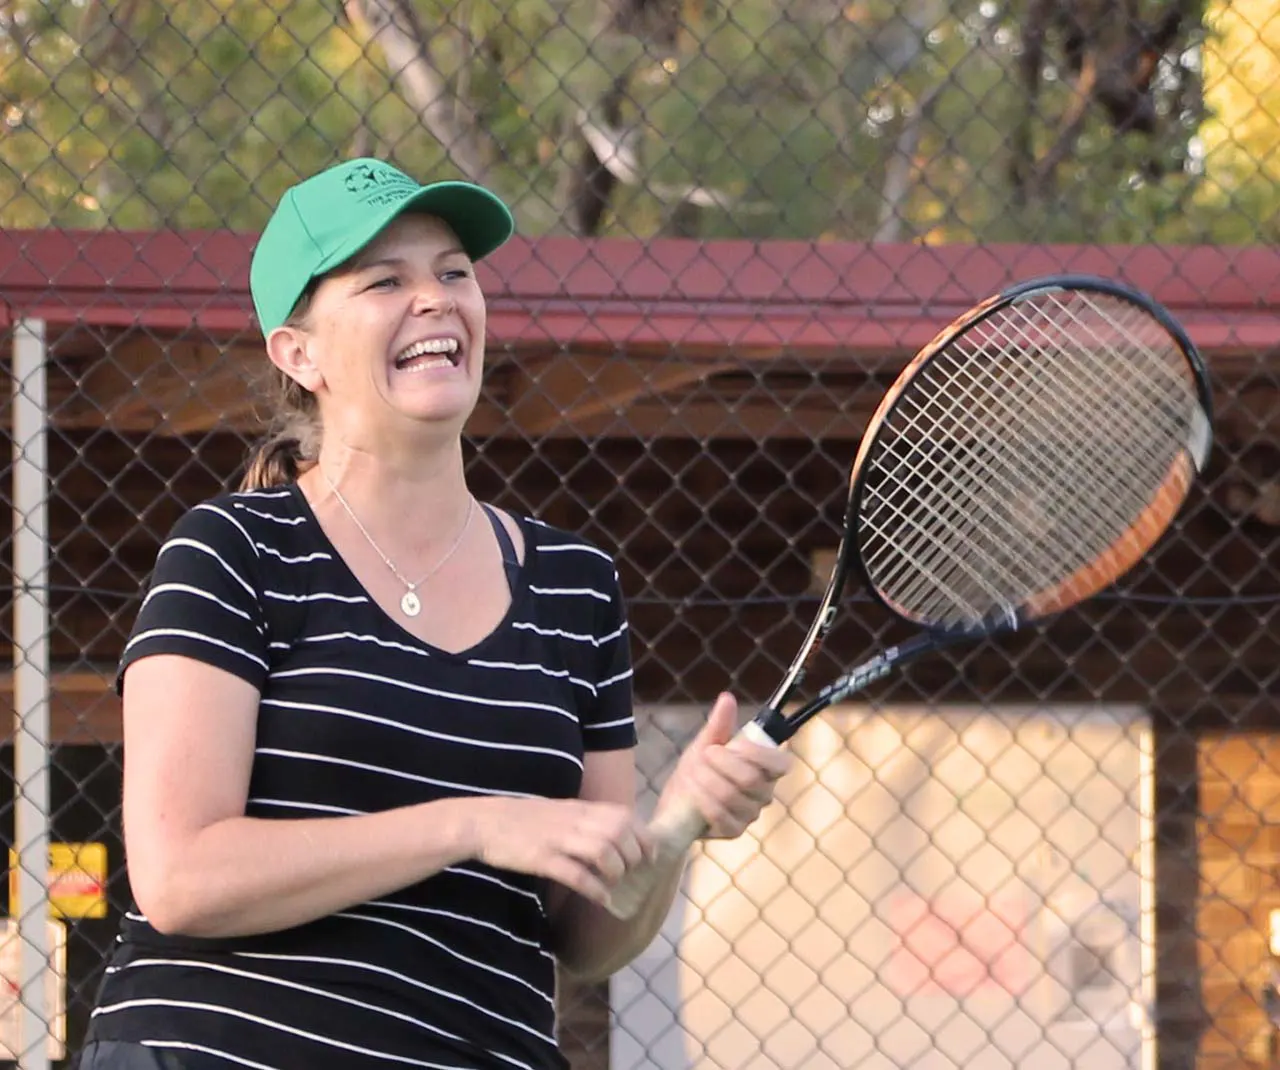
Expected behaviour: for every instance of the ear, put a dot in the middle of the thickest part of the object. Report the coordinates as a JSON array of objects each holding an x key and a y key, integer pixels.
[{"x": 287, "y": 349}]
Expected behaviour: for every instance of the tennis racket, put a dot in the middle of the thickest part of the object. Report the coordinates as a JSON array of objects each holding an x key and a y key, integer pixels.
[{"x": 1022, "y": 462}]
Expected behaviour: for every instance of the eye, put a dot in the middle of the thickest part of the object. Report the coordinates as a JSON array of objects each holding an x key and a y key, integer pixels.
[
  {"x": 385, "y": 282},
  {"x": 455, "y": 274}
]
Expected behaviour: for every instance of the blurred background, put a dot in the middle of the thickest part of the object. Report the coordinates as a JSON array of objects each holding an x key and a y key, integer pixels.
[{"x": 737, "y": 221}]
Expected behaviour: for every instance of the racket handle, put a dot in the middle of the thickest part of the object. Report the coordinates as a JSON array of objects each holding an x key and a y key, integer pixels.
[{"x": 675, "y": 830}]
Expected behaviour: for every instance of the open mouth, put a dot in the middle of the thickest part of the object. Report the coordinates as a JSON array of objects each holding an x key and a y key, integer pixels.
[{"x": 429, "y": 353}]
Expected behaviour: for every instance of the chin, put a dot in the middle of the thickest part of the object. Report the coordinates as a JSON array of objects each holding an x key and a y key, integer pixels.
[{"x": 440, "y": 414}]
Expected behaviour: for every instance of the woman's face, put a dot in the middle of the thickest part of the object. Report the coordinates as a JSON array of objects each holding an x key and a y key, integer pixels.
[{"x": 394, "y": 338}]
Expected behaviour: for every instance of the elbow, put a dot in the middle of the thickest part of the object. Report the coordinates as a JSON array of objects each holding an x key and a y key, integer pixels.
[
  {"x": 571, "y": 954},
  {"x": 162, "y": 906},
  {"x": 575, "y": 964},
  {"x": 590, "y": 958},
  {"x": 169, "y": 924},
  {"x": 167, "y": 902},
  {"x": 589, "y": 944},
  {"x": 171, "y": 917}
]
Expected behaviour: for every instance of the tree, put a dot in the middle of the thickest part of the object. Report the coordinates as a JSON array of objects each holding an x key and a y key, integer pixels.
[
  {"x": 1111, "y": 52},
  {"x": 1238, "y": 141},
  {"x": 854, "y": 119}
]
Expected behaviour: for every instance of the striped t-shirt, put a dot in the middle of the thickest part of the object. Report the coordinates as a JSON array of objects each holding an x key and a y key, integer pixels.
[{"x": 357, "y": 715}]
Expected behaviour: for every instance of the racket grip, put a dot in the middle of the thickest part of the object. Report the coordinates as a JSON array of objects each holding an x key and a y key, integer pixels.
[{"x": 675, "y": 830}]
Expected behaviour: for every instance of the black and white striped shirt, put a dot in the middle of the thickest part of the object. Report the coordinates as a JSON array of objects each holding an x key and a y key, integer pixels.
[{"x": 357, "y": 715}]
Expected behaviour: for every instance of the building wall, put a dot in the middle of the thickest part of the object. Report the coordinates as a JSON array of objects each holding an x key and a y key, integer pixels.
[
  {"x": 936, "y": 887},
  {"x": 1239, "y": 842}
]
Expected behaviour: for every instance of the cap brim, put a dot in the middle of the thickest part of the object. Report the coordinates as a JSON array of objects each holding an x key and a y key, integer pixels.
[{"x": 480, "y": 220}]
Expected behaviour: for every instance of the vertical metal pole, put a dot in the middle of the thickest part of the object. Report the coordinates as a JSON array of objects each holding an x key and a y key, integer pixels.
[
  {"x": 1147, "y": 878},
  {"x": 31, "y": 686}
]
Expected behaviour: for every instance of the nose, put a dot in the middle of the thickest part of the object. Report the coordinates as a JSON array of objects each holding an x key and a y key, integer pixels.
[{"x": 431, "y": 296}]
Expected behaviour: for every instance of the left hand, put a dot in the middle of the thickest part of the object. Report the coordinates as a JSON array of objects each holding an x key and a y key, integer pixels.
[{"x": 730, "y": 780}]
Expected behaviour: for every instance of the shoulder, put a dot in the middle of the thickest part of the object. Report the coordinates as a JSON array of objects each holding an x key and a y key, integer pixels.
[
  {"x": 565, "y": 561},
  {"x": 241, "y": 520},
  {"x": 559, "y": 551}
]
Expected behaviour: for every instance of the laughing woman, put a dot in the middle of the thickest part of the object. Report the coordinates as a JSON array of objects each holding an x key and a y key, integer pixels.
[{"x": 379, "y": 745}]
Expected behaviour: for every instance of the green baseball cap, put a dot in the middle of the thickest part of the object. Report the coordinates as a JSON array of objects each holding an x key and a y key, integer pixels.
[{"x": 326, "y": 219}]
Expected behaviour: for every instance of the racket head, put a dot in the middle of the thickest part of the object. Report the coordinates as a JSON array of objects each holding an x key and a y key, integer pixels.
[{"x": 1029, "y": 456}]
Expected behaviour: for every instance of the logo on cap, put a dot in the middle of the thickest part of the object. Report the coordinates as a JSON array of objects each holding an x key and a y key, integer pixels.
[{"x": 378, "y": 185}]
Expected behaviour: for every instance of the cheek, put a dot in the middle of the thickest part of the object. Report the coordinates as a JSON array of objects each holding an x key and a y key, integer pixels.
[
  {"x": 476, "y": 315},
  {"x": 343, "y": 343}
]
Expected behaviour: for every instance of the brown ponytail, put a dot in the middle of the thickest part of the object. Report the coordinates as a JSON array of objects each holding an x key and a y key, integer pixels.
[{"x": 292, "y": 442}]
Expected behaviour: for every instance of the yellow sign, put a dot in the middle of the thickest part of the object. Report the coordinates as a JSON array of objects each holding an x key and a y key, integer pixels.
[{"x": 77, "y": 880}]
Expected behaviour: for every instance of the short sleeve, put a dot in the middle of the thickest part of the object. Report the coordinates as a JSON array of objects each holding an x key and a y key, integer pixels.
[
  {"x": 609, "y": 723},
  {"x": 203, "y": 600}
]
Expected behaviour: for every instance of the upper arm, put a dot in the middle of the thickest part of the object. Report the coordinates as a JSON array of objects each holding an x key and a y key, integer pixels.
[
  {"x": 190, "y": 678},
  {"x": 608, "y": 719},
  {"x": 188, "y": 743},
  {"x": 609, "y": 776}
]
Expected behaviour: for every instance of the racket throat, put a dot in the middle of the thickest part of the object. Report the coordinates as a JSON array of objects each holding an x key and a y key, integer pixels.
[{"x": 780, "y": 727}]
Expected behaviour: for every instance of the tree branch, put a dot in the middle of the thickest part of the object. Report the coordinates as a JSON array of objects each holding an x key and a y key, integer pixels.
[
  {"x": 393, "y": 27},
  {"x": 901, "y": 166},
  {"x": 1072, "y": 125},
  {"x": 108, "y": 46},
  {"x": 894, "y": 48}
]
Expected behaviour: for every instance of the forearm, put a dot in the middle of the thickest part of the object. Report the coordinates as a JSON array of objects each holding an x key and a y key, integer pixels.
[
  {"x": 592, "y": 944},
  {"x": 246, "y": 875}
]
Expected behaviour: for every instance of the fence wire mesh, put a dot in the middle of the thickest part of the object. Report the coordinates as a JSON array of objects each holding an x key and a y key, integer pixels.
[{"x": 737, "y": 221}]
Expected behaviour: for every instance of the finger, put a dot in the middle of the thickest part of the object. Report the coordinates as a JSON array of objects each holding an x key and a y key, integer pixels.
[
  {"x": 601, "y": 858},
  {"x": 774, "y": 762},
  {"x": 579, "y": 878},
  {"x": 631, "y": 836},
  {"x": 738, "y": 769},
  {"x": 721, "y": 724},
  {"x": 647, "y": 841},
  {"x": 715, "y": 799},
  {"x": 630, "y": 848},
  {"x": 746, "y": 808},
  {"x": 735, "y": 797},
  {"x": 610, "y": 863}
]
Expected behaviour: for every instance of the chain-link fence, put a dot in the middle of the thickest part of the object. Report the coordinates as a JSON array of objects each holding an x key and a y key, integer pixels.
[{"x": 736, "y": 222}]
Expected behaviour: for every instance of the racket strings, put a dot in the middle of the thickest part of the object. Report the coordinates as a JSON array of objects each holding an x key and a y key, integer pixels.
[
  {"x": 1063, "y": 447},
  {"x": 1021, "y": 453},
  {"x": 1128, "y": 394},
  {"x": 1104, "y": 385},
  {"x": 1071, "y": 443},
  {"x": 1141, "y": 396},
  {"x": 1107, "y": 394},
  {"x": 978, "y": 511},
  {"x": 927, "y": 540},
  {"x": 967, "y": 499}
]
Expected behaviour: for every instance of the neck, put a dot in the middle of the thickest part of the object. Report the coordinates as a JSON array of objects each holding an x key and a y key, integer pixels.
[{"x": 426, "y": 496}]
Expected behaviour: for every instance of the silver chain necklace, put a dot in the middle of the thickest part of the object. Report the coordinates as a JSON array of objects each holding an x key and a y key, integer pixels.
[{"x": 410, "y": 604}]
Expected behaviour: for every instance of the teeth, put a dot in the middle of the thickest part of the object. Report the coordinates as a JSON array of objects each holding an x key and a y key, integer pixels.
[
  {"x": 445, "y": 348},
  {"x": 426, "y": 365},
  {"x": 429, "y": 346}
]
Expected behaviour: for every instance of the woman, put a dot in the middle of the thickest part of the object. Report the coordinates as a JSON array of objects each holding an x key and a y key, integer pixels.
[{"x": 379, "y": 741}]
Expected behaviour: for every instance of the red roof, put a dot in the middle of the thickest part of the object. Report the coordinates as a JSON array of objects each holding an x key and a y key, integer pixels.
[{"x": 553, "y": 292}]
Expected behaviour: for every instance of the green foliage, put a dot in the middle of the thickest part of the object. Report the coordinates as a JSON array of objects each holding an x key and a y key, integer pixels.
[{"x": 790, "y": 116}]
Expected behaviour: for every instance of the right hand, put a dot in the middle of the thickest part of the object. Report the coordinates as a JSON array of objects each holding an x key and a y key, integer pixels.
[{"x": 585, "y": 846}]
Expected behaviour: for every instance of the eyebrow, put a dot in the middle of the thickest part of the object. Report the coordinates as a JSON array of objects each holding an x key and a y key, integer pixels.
[{"x": 399, "y": 262}]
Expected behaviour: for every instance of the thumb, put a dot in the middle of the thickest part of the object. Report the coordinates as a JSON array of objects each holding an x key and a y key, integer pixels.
[{"x": 722, "y": 722}]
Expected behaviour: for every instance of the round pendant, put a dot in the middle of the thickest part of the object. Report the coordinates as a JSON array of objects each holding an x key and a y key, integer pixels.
[{"x": 410, "y": 604}]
